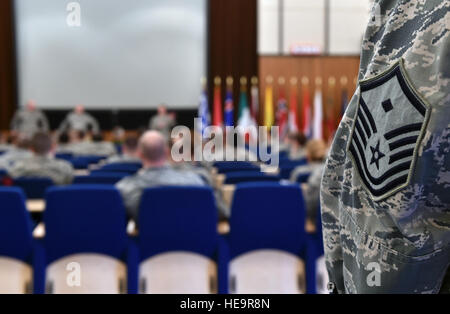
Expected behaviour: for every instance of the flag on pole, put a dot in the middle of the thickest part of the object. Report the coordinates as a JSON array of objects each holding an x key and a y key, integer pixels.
[
  {"x": 217, "y": 113},
  {"x": 306, "y": 113},
  {"x": 282, "y": 109},
  {"x": 330, "y": 119},
  {"x": 229, "y": 105},
  {"x": 254, "y": 108},
  {"x": 203, "y": 111},
  {"x": 318, "y": 115},
  {"x": 268, "y": 106},
  {"x": 244, "y": 116},
  {"x": 293, "y": 105}
]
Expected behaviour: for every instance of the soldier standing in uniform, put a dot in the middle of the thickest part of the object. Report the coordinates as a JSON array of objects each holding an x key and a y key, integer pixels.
[
  {"x": 41, "y": 164},
  {"x": 153, "y": 151},
  {"x": 79, "y": 120},
  {"x": 385, "y": 196},
  {"x": 29, "y": 120},
  {"x": 162, "y": 122}
]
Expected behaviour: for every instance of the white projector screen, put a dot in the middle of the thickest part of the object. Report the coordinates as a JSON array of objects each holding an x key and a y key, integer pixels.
[{"x": 124, "y": 55}]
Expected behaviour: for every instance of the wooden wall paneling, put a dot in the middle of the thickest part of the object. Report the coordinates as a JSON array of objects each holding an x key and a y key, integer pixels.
[
  {"x": 232, "y": 43},
  {"x": 311, "y": 67},
  {"x": 8, "y": 94}
]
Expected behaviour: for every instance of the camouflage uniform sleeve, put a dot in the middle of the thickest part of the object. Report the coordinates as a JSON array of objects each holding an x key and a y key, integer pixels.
[
  {"x": 44, "y": 120},
  {"x": 331, "y": 187},
  {"x": 94, "y": 123},
  {"x": 64, "y": 125}
]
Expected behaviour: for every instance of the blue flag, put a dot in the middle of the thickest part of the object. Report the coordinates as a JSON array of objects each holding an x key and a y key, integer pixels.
[
  {"x": 203, "y": 113},
  {"x": 229, "y": 109}
]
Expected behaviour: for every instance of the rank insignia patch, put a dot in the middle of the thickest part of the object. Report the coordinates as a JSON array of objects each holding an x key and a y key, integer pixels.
[{"x": 388, "y": 128}]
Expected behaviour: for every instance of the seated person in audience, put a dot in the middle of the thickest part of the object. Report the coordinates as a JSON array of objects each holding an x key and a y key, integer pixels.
[
  {"x": 42, "y": 164},
  {"x": 99, "y": 147},
  {"x": 79, "y": 120},
  {"x": 29, "y": 120},
  {"x": 63, "y": 143},
  {"x": 153, "y": 151},
  {"x": 190, "y": 165},
  {"x": 162, "y": 122},
  {"x": 19, "y": 151},
  {"x": 297, "y": 142},
  {"x": 316, "y": 151},
  {"x": 129, "y": 152}
]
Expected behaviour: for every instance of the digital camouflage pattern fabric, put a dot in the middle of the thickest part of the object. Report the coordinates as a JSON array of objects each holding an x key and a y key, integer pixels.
[
  {"x": 386, "y": 186},
  {"x": 29, "y": 122},
  {"x": 61, "y": 172}
]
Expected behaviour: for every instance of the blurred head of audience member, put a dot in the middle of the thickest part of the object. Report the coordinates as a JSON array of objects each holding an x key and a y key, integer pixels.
[
  {"x": 41, "y": 144},
  {"x": 153, "y": 149},
  {"x": 316, "y": 151},
  {"x": 130, "y": 146},
  {"x": 297, "y": 140},
  {"x": 63, "y": 138},
  {"x": 118, "y": 134}
]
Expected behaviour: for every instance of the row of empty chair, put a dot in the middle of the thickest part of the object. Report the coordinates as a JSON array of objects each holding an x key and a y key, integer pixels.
[{"x": 177, "y": 249}]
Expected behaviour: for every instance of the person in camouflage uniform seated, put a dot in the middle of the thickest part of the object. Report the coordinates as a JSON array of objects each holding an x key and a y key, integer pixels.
[
  {"x": 385, "y": 191},
  {"x": 41, "y": 164}
]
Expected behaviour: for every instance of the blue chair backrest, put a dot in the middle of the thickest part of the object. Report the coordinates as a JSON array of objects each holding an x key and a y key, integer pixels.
[
  {"x": 84, "y": 219},
  {"x": 100, "y": 178},
  {"x": 34, "y": 188},
  {"x": 122, "y": 167},
  {"x": 177, "y": 219},
  {"x": 294, "y": 163},
  {"x": 267, "y": 216},
  {"x": 233, "y": 166},
  {"x": 83, "y": 162},
  {"x": 64, "y": 156},
  {"x": 15, "y": 225},
  {"x": 246, "y": 176}
]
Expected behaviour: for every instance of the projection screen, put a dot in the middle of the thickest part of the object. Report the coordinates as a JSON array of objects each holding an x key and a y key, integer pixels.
[{"x": 111, "y": 54}]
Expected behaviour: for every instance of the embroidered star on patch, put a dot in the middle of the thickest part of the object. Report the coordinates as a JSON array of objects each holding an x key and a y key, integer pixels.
[{"x": 376, "y": 155}]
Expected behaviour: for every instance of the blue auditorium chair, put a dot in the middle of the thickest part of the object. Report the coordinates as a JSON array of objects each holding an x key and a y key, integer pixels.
[
  {"x": 267, "y": 239},
  {"x": 17, "y": 250},
  {"x": 130, "y": 168},
  {"x": 64, "y": 156},
  {"x": 180, "y": 249},
  {"x": 295, "y": 163},
  {"x": 287, "y": 167},
  {"x": 119, "y": 167},
  {"x": 34, "y": 188},
  {"x": 247, "y": 176},
  {"x": 86, "y": 231},
  {"x": 317, "y": 275},
  {"x": 100, "y": 178},
  {"x": 83, "y": 162},
  {"x": 233, "y": 166}
]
